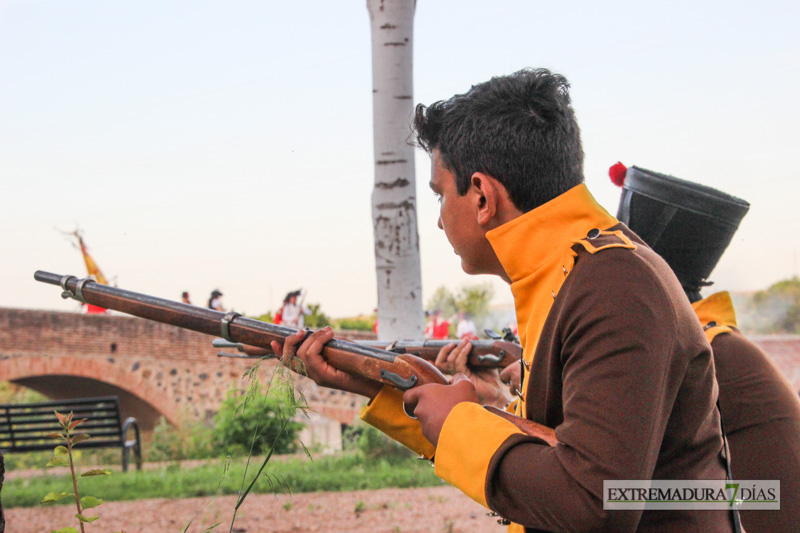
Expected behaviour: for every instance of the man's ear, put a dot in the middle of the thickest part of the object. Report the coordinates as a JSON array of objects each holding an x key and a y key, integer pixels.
[{"x": 487, "y": 196}]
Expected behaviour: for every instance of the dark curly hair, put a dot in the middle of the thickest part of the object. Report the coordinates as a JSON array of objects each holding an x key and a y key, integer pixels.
[{"x": 520, "y": 129}]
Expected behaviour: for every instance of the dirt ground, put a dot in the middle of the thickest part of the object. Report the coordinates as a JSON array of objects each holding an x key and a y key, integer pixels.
[{"x": 440, "y": 509}]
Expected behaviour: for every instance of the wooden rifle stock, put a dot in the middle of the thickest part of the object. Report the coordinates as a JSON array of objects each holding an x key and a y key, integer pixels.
[{"x": 402, "y": 371}]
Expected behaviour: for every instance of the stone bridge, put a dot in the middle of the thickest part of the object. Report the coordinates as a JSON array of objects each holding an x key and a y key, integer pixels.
[
  {"x": 155, "y": 369},
  {"x": 160, "y": 370}
]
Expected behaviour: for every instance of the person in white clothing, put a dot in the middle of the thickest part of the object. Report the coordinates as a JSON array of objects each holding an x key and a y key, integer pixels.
[
  {"x": 294, "y": 311},
  {"x": 466, "y": 329}
]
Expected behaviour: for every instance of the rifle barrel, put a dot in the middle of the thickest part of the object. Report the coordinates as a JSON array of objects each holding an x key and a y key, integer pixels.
[
  {"x": 246, "y": 330},
  {"x": 403, "y": 371}
]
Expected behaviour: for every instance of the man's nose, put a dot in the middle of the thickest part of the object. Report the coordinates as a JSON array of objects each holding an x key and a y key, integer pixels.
[{"x": 439, "y": 222}]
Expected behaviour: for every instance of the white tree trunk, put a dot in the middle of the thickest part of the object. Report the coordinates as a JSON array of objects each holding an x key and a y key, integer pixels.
[{"x": 394, "y": 201}]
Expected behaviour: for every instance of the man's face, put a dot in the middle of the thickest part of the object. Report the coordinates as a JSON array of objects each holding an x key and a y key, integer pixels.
[{"x": 458, "y": 217}]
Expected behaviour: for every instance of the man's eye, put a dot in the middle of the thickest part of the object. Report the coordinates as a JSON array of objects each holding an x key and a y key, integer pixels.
[{"x": 438, "y": 197}]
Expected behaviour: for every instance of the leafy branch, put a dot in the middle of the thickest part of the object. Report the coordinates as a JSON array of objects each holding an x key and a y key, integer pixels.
[{"x": 62, "y": 456}]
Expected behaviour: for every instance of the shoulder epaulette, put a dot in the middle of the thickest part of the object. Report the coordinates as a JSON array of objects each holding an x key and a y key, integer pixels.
[{"x": 597, "y": 240}]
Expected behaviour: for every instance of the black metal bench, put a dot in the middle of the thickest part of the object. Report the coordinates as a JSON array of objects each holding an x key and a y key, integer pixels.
[{"x": 23, "y": 426}]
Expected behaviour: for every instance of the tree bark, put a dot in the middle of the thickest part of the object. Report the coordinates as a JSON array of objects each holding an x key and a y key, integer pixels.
[{"x": 394, "y": 202}]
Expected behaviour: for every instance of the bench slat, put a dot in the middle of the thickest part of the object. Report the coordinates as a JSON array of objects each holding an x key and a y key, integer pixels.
[{"x": 23, "y": 426}]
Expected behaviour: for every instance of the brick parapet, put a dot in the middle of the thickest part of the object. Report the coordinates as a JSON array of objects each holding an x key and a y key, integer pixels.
[{"x": 175, "y": 371}]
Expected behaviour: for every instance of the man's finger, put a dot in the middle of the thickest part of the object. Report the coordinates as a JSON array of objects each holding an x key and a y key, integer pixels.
[
  {"x": 410, "y": 400},
  {"x": 312, "y": 347},
  {"x": 441, "y": 357},
  {"x": 462, "y": 357}
]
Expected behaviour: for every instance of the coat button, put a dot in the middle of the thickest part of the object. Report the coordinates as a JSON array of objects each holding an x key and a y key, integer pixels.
[{"x": 593, "y": 234}]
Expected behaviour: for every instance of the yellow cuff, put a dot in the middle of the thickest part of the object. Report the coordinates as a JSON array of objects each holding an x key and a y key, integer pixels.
[
  {"x": 469, "y": 439},
  {"x": 385, "y": 412}
]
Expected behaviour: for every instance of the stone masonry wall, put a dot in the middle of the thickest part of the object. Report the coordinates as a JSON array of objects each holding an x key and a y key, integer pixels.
[{"x": 172, "y": 371}]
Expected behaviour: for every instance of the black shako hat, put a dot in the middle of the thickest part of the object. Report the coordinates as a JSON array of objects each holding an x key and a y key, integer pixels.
[{"x": 688, "y": 224}]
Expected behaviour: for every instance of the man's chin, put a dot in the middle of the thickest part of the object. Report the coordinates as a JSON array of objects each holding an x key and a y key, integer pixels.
[{"x": 469, "y": 268}]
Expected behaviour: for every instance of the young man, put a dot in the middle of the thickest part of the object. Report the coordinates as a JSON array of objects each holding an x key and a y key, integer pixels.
[
  {"x": 618, "y": 363},
  {"x": 690, "y": 226}
]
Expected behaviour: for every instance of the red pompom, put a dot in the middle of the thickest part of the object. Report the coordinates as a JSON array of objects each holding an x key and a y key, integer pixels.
[{"x": 617, "y": 174}]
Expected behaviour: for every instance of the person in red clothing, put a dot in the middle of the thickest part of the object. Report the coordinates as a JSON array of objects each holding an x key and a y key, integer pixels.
[{"x": 441, "y": 326}]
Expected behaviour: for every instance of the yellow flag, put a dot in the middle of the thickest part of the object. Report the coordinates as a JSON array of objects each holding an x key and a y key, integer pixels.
[
  {"x": 94, "y": 272},
  {"x": 91, "y": 266}
]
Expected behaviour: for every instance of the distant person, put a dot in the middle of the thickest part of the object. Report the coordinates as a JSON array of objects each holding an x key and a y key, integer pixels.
[
  {"x": 466, "y": 330},
  {"x": 215, "y": 302},
  {"x": 440, "y": 327},
  {"x": 428, "y": 324},
  {"x": 294, "y": 311},
  {"x": 185, "y": 298}
]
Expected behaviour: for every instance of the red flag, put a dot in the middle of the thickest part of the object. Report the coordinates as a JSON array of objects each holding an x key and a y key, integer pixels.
[{"x": 94, "y": 272}]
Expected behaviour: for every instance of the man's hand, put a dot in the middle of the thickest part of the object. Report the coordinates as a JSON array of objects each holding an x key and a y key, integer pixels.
[
  {"x": 307, "y": 360},
  {"x": 452, "y": 359},
  {"x": 432, "y": 403},
  {"x": 511, "y": 376}
]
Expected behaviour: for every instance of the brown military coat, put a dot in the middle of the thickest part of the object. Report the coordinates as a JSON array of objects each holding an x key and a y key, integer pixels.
[
  {"x": 619, "y": 367},
  {"x": 761, "y": 412}
]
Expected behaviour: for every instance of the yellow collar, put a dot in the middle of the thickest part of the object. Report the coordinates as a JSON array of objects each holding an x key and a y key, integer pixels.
[
  {"x": 536, "y": 252},
  {"x": 537, "y": 238},
  {"x": 716, "y": 308}
]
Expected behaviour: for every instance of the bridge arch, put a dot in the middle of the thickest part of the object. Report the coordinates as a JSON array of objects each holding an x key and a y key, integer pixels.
[{"x": 67, "y": 377}]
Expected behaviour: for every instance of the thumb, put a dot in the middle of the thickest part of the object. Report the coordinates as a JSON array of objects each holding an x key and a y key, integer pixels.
[
  {"x": 459, "y": 378},
  {"x": 410, "y": 401}
]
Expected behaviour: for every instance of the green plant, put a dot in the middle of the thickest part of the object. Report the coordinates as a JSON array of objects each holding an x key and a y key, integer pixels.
[
  {"x": 13, "y": 393},
  {"x": 317, "y": 319},
  {"x": 774, "y": 310},
  {"x": 287, "y": 506},
  {"x": 374, "y": 445},
  {"x": 360, "y": 506},
  {"x": 344, "y": 472},
  {"x": 191, "y": 439},
  {"x": 62, "y": 456},
  {"x": 472, "y": 299},
  {"x": 358, "y": 323},
  {"x": 289, "y": 404},
  {"x": 253, "y": 421}
]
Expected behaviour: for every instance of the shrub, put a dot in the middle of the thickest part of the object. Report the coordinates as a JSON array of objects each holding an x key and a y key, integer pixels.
[
  {"x": 255, "y": 419},
  {"x": 190, "y": 440},
  {"x": 373, "y": 444},
  {"x": 358, "y": 323}
]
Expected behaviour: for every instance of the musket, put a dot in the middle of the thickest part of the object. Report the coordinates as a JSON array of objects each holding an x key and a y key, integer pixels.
[
  {"x": 484, "y": 353},
  {"x": 401, "y": 371}
]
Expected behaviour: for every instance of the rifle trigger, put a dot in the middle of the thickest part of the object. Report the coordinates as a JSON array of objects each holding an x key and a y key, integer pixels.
[
  {"x": 225, "y": 323},
  {"x": 397, "y": 381}
]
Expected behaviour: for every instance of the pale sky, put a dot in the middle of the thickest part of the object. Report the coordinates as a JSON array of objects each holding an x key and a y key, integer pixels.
[{"x": 228, "y": 145}]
